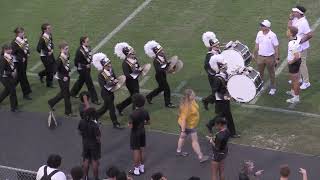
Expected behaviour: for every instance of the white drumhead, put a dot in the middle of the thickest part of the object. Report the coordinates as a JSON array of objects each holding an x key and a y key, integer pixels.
[
  {"x": 241, "y": 88},
  {"x": 234, "y": 60}
]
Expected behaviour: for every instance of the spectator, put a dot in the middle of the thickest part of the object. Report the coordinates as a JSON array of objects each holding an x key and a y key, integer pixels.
[
  {"x": 123, "y": 176},
  {"x": 91, "y": 135},
  {"x": 138, "y": 118},
  {"x": 304, "y": 174},
  {"x": 220, "y": 149},
  {"x": 194, "y": 178},
  {"x": 284, "y": 172},
  {"x": 50, "y": 171},
  {"x": 112, "y": 173},
  {"x": 247, "y": 172},
  {"x": 188, "y": 121},
  {"x": 158, "y": 176},
  {"x": 77, "y": 173}
]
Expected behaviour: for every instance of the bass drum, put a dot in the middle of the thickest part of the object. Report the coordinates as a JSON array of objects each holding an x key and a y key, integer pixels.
[{"x": 244, "y": 87}]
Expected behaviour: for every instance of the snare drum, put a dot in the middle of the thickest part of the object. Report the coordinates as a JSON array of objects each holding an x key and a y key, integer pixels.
[
  {"x": 236, "y": 55},
  {"x": 243, "y": 87}
]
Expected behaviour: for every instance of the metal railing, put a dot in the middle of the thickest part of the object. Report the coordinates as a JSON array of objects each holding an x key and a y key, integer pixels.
[{"x": 10, "y": 173}]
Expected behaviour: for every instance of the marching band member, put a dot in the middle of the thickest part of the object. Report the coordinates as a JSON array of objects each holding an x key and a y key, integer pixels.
[
  {"x": 222, "y": 98},
  {"x": 45, "y": 48},
  {"x": 131, "y": 70},
  {"x": 20, "y": 50},
  {"x": 156, "y": 52},
  {"x": 8, "y": 76},
  {"x": 107, "y": 79},
  {"x": 212, "y": 43},
  {"x": 63, "y": 70},
  {"x": 83, "y": 61}
]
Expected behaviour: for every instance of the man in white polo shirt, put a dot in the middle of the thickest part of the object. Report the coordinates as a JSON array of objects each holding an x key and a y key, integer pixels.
[
  {"x": 267, "y": 52},
  {"x": 298, "y": 20}
]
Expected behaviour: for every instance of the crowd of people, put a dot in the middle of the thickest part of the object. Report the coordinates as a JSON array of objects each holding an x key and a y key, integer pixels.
[{"x": 13, "y": 66}]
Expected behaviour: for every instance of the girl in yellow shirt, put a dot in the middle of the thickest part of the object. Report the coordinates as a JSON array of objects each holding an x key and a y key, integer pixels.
[{"x": 188, "y": 121}]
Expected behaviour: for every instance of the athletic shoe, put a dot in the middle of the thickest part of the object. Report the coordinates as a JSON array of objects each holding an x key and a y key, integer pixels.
[
  {"x": 305, "y": 85},
  {"x": 293, "y": 100},
  {"x": 235, "y": 136},
  {"x": 272, "y": 91},
  {"x": 183, "y": 154},
  {"x": 141, "y": 169},
  {"x": 204, "y": 159},
  {"x": 170, "y": 105},
  {"x": 135, "y": 172}
]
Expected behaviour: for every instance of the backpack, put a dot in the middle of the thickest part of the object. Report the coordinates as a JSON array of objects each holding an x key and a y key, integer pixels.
[
  {"x": 45, "y": 174},
  {"x": 52, "y": 122}
]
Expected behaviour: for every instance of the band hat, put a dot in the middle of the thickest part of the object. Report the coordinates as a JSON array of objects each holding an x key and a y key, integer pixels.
[
  {"x": 297, "y": 10},
  {"x": 266, "y": 23}
]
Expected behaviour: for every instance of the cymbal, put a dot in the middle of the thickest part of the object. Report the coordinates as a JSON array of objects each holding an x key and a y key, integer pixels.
[
  {"x": 121, "y": 80},
  {"x": 175, "y": 65}
]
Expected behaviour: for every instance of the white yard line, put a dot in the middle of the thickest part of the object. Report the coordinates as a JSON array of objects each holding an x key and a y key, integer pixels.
[
  {"x": 180, "y": 86},
  {"x": 251, "y": 106},
  {"x": 144, "y": 80},
  {"x": 110, "y": 35},
  {"x": 281, "y": 67}
]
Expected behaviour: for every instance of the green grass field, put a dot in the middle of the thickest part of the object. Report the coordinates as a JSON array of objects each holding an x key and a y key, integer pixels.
[{"x": 178, "y": 26}]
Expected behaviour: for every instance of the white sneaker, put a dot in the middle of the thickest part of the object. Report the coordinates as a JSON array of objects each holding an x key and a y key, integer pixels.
[
  {"x": 293, "y": 100},
  {"x": 141, "y": 168},
  {"x": 305, "y": 85},
  {"x": 136, "y": 171},
  {"x": 290, "y": 93},
  {"x": 272, "y": 91}
]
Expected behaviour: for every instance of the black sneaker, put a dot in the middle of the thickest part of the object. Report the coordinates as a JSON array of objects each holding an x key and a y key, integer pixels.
[
  {"x": 117, "y": 126},
  {"x": 205, "y": 104},
  {"x": 16, "y": 110},
  {"x": 27, "y": 97},
  {"x": 183, "y": 154},
  {"x": 41, "y": 78},
  {"x": 70, "y": 115},
  {"x": 170, "y": 105},
  {"x": 50, "y": 86},
  {"x": 96, "y": 103},
  {"x": 149, "y": 100},
  {"x": 235, "y": 136},
  {"x": 119, "y": 110}
]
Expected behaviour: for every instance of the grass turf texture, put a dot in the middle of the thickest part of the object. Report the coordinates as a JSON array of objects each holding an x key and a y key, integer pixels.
[{"x": 178, "y": 26}]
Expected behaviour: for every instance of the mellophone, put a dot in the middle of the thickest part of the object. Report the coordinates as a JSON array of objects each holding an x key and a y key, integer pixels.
[{"x": 244, "y": 82}]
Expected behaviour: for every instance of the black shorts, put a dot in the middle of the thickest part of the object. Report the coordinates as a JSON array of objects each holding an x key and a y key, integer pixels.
[
  {"x": 218, "y": 157},
  {"x": 137, "y": 140},
  {"x": 295, "y": 67},
  {"x": 91, "y": 152}
]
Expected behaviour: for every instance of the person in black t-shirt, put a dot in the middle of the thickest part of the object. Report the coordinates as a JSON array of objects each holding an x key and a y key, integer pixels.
[
  {"x": 137, "y": 119},
  {"x": 91, "y": 135},
  {"x": 220, "y": 148}
]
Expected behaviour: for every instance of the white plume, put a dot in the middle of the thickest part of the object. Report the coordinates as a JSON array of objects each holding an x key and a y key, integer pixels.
[
  {"x": 98, "y": 59},
  {"x": 148, "y": 48},
  {"x": 207, "y": 36},
  {"x": 118, "y": 49},
  {"x": 214, "y": 60}
]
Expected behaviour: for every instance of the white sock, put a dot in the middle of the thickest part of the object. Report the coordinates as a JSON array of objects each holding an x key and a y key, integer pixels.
[{"x": 141, "y": 168}]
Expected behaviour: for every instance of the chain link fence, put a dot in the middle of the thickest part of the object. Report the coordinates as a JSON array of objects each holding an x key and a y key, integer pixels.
[{"x": 10, "y": 173}]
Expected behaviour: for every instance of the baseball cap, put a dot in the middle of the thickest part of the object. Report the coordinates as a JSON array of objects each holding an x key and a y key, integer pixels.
[{"x": 266, "y": 23}]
